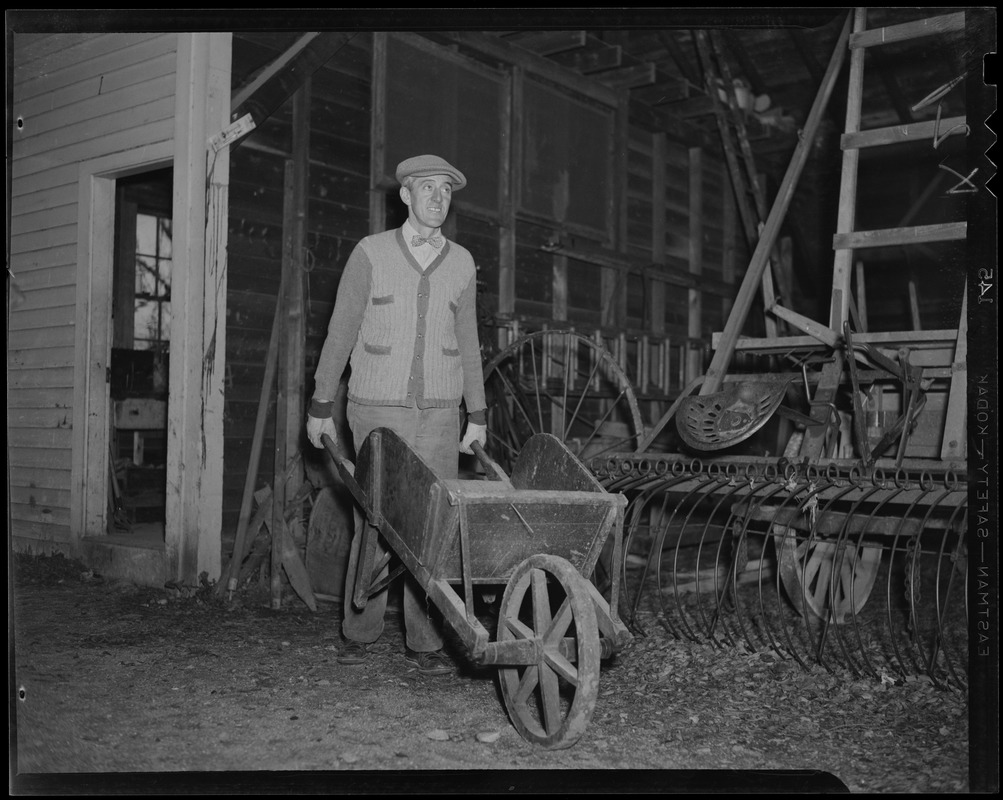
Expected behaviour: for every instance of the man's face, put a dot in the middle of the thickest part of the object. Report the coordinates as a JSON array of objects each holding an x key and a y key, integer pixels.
[{"x": 428, "y": 200}]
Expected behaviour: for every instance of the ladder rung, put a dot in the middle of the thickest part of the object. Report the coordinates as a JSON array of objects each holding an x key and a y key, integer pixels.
[
  {"x": 909, "y": 30},
  {"x": 916, "y": 131},
  {"x": 920, "y": 234}
]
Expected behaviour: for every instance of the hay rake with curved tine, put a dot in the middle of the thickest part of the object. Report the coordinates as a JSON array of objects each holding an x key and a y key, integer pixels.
[{"x": 762, "y": 554}]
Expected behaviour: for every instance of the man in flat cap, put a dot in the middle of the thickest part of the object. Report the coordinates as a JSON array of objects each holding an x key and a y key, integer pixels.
[{"x": 405, "y": 318}]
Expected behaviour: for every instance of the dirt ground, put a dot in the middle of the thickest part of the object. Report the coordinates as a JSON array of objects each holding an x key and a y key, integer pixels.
[{"x": 119, "y": 688}]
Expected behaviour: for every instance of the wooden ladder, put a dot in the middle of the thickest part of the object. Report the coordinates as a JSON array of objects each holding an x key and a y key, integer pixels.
[{"x": 847, "y": 240}]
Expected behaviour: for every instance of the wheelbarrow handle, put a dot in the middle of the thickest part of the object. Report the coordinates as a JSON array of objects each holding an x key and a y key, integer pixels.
[
  {"x": 495, "y": 472},
  {"x": 346, "y": 469}
]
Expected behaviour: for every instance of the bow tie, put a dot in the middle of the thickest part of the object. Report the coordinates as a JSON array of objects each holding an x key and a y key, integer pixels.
[{"x": 435, "y": 241}]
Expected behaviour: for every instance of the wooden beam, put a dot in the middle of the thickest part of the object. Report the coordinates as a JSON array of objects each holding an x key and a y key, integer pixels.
[
  {"x": 931, "y": 26},
  {"x": 599, "y": 56},
  {"x": 629, "y": 77},
  {"x": 547, "y": 43},
  {"x": 675, "y": 50},
  {"x": 679, "y": 130},
  {"x": 694, "y": 320},
  {"x": 280, "y": 81},
  {"x": 895, "y": 134},
  {"x": 890, "y": 237},
  {"x": 656, "y": 289}
]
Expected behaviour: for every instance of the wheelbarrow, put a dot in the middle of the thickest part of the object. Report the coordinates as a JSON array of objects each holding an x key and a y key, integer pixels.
[{"x": 539, "y": 532}]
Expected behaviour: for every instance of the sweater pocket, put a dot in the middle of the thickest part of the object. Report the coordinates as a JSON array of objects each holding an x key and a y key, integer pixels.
[{"x": 451, "y": 351}]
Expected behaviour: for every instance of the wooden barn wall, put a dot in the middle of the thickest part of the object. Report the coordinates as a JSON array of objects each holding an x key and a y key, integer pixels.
[
  {"x": 338, "y": 216},
  {"x": 340, "y": 213},
  {"x": 75, "y": 98}
]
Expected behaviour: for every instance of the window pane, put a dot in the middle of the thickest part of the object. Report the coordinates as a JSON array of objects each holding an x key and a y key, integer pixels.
[
  {"x": 165, "y": 238},
  {"x": 165, "y": 322},
  {"x": 145, "y": 323},
  {"x": 146, "y": 234},
  {"x": 146, "y": 276}
]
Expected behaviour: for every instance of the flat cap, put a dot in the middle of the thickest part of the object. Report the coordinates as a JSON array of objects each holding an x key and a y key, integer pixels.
[{"x": 422, "y": 166}]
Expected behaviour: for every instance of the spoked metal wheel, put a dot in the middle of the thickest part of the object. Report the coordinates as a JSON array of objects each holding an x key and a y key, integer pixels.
[
  {"x": 547, "y": 609},
  {"x": 831, "y": 580},
  {"x": 565, "y": 384}
]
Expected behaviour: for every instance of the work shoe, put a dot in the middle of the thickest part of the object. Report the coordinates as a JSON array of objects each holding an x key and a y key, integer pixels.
[
  {"x": 433, "y": 663},
  {"x": 352, "y": 652}
]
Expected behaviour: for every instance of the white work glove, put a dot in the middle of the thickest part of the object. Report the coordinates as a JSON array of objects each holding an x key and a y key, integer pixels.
[
  {"x": 475, "y": 433},
  {"x": 317, "y": 427}
]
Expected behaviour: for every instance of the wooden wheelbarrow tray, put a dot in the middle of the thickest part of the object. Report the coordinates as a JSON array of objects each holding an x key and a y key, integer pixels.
[{"x": 539, "y": 532}]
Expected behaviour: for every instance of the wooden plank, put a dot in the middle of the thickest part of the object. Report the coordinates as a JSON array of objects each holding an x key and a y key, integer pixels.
[
  {"x": 955, "y": 441},
  {"x": 892, "y": 339},
  {"x": 657, "y": 288},
  {"x": 890, "y": 237},
  {"x": 847, "y": 209},
  {"x": 596, "y": 58},
  {"x": 100, "y": 63},
  {"x": 628, "y": 77},
  {"x": 547, "y": 43},
  {"x": 694, "y": 318},
  {"x": 905, "y": 31},
  {"x": 895, "y": 134}
]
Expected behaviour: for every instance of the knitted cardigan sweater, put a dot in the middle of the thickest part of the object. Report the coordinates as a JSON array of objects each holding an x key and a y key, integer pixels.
[{"x": 411, "y": 334}]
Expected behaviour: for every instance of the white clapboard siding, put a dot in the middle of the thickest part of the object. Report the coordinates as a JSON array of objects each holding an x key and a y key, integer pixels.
[{"x": 76, "y": 98}]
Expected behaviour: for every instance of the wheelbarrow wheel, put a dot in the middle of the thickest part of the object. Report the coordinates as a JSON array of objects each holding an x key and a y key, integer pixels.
[{"x": 551, "y": 697}]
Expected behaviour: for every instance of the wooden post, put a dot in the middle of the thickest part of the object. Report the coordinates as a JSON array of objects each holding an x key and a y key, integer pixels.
[
  {"x": 656, "y": 312},
  {"x": 694, "y": 328},
  {"x": 289, "y": 411},
  {"x": 194, "y": 497}
]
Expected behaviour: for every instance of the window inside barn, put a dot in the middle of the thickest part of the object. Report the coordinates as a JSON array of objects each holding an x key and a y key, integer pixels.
[
  {"x": 436, "y": 102},
  {"x": 152, "y": 307},
  {"x": 567, "y": 165}
]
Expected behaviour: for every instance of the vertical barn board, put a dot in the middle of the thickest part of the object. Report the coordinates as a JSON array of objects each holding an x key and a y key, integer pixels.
[
  {"x": 198, "y": 294},
  {"x": 90, "y": 107},
  {"x": 694, "y": 362},
  {"x": 657, "y": 315}
]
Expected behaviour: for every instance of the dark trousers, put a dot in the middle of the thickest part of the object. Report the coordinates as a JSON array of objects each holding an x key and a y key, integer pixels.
[{"x": 434, "y": 434}]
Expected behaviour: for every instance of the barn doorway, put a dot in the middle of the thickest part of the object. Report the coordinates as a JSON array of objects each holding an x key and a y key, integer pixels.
[{"x": 140, "y": 354}]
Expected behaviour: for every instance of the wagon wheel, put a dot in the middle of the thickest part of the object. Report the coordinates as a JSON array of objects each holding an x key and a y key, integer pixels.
[
  {"x": 550, "y": 697},
  {"x": 565, "y": 384},
  {"x": 832, "y": 581}
]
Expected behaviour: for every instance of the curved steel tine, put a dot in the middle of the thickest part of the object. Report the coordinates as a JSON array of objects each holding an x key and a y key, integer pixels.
[
  {"x": 902, "y": 666},
  {"x": 917, "y": 555},
  {"x": 961, "y": 683}
]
